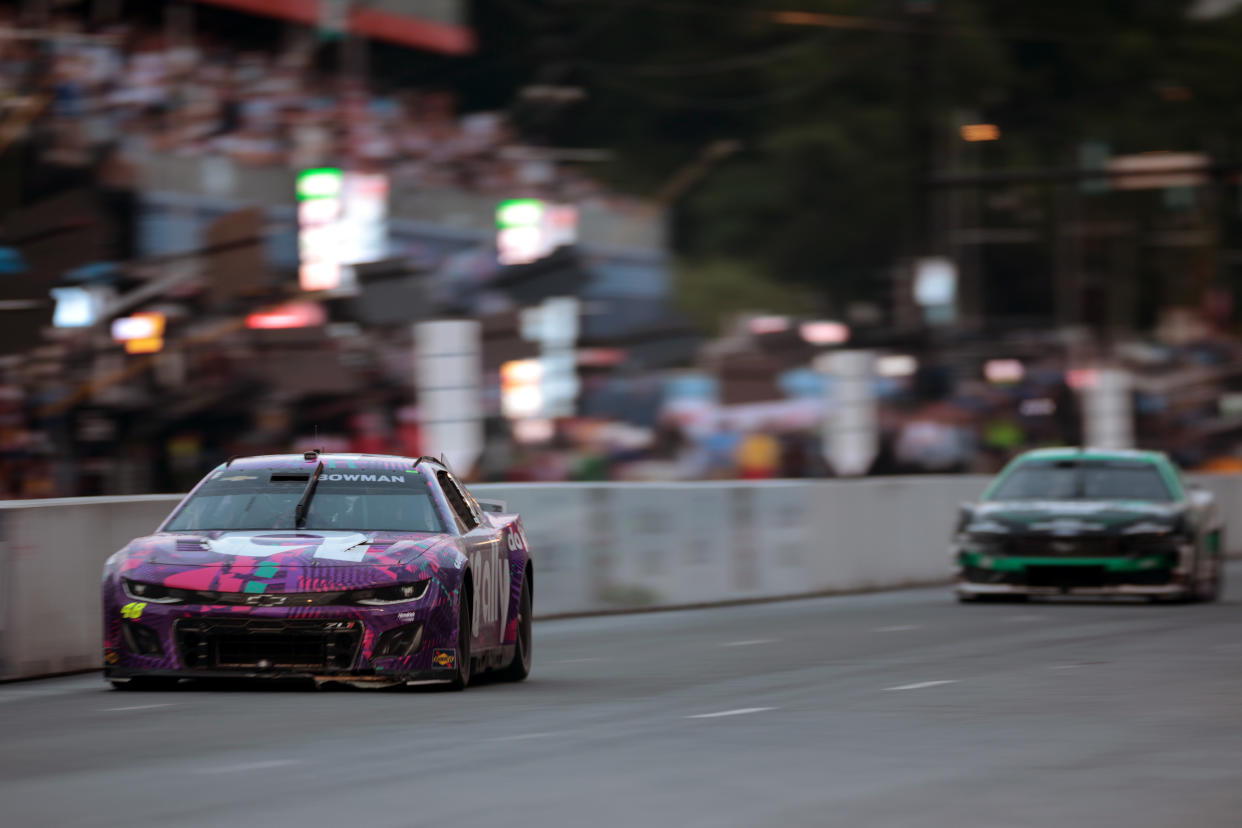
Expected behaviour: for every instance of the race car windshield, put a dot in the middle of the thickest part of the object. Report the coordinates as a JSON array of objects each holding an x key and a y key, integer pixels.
[
  {"x": 361, "y": 501},
  {"x": 1083, "y": 480}
]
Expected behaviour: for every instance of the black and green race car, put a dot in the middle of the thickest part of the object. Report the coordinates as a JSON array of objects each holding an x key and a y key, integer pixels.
[{"x": 1090, "y": 522}]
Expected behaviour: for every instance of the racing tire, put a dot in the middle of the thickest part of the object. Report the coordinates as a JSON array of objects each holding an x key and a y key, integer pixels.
[
  {"x": 464, "y": 620},
  {"x": 1213, "y": 593},
  {"x": 998, "y": 598},
  {"x": 145, "y": 683},
  {"x": 519, "y": 668}
]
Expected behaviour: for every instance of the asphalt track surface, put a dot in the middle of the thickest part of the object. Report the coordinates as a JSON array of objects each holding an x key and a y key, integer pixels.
[{"x": 891, "y": 710}]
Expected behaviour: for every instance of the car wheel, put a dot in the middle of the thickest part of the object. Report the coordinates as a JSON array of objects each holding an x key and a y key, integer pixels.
[
  {"x": 464, "y": 619},
  {"x": 1193, "y": 592},
  {"x": 994, "y": 598},
  {"x": 1213, "y": 592},
  {"x": 519, "y": 668}
]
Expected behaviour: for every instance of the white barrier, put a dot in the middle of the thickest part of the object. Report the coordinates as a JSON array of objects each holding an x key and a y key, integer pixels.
[
  {"x": 628, "y": 546},
  {"x": 597, "y": 547},
  {"x": 52, "y": 554}
]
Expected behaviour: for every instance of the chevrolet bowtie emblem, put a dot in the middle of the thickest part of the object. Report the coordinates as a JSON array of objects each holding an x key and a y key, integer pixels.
[{"x": 266, "y": 600}]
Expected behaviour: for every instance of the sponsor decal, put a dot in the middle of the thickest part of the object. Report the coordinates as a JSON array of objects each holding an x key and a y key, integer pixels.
[
  {"x": 515, "y": 539},
  {"x": 491, "y": 585},
  {"x": 133, "y": 610},
  {"x": 349, "y": 547},
  {"x": 406, "y": 616},
  {"x": 111, "y": 657},
  {"x": 363, "y": 478},
  {"x": 444, "y": 658}
]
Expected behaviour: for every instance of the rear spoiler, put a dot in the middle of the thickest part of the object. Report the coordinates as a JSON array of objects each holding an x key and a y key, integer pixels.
[{"x": 497, "y": 506}]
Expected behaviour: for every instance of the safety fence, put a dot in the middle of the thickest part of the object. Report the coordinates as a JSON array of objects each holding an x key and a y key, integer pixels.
[{"x": 597, "y": 548}]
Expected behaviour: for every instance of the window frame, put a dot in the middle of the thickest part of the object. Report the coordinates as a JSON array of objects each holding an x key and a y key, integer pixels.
[{"x": 453, "y": 495}]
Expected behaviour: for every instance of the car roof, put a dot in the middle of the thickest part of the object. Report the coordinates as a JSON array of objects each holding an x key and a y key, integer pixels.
[
  {"x": 334, "y": 460},
  {"x": 1092, "y": 453}
]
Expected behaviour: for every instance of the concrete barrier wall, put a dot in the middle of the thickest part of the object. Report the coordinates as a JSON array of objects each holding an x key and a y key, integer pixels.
[
  {"x": 628, "y": 546},
  {"x": 597, "y": 547},
  {"x": 52, "y": 554}
]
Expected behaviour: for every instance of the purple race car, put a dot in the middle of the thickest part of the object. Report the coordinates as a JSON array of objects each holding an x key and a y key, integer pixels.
[{"x": 365, "y": 569}]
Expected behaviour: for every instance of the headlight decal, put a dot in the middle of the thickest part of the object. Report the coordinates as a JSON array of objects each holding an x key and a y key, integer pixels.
[{"x": 391, "y": 594}]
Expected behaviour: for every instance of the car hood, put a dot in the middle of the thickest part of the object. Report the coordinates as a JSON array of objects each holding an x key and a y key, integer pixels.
[
  {"x": 283, "y": 561},
  {"x": 301, "y": 548},
  {"x": 1071, "y": 517}
]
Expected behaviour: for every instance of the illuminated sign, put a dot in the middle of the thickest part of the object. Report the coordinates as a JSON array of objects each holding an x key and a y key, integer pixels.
[
  {"x": 364, "y": 219},
  {"x": 980, "y": 132},
  {"x": 824, "y": 333},
  {"x": 325, "y": 182},
  {"x": 519, "y": 212},
  {"x": 935, "y": 281},
  {"x": 1002, "y": 371},
  {"x": 319, "y": 212},
  {"x": 528, "y": 229},
  {"x": 896, "y": 365},
  {"x": 142, "y": 333},
  {"x": 521, "y": 393},
  {"x": 342, "y": 221},
  {"x": 76, "y": 307},
  {"x": 290, "y": 315}
]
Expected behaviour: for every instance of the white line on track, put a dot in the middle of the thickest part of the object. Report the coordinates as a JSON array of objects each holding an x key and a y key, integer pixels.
[
  {"x": 739, "y": 712},
  {"x": 250, "y": 766},
  {"x": 921, "y": 684},
  {"x": 138, "y": 707},
  {"x": 521, "y": 737},
  {"x": 749, "y": 642},
  {"x": 899, "y": 628}
]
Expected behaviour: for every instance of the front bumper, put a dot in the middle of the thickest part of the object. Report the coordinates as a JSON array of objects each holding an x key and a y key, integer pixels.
[
  {"x": 1145, "y": 572},
  {"x": 404, "y": 643},
  {"x": 967, "y": 588}
]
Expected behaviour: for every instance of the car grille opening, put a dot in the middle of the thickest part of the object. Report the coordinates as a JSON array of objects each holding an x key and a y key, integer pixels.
[
  {"x": 1065, "y": 576},
  {"x": 1099, "y": 547},
  {"x": 1062, "y": 577},
  {"x": 141, "y": 640},
  {"x": 268, "y": 644}
]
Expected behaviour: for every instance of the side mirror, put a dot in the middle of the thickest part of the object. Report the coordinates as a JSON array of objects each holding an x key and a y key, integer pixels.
[
  {"x": 495, "y": 506},
  {"x": 965, "y": 512}
]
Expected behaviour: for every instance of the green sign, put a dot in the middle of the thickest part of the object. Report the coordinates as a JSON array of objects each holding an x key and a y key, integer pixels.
[
  {"x": 325, "y": 182},
  {"x": 519, "y": 212}
]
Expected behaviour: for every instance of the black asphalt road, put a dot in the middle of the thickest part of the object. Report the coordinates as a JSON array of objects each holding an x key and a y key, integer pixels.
[{"x": 890, "y": 710}]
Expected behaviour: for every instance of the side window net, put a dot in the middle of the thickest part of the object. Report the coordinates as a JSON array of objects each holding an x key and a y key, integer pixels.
[{"x": 456, "y": 500}]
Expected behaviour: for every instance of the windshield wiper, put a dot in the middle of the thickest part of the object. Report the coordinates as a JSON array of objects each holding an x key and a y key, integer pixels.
[{"x": 299, "y": 513}]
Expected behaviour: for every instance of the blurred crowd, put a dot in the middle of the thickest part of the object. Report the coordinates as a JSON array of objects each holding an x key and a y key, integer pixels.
[
  {"x": 138, "y": 90},
  {"x": 923, "y": 427}
]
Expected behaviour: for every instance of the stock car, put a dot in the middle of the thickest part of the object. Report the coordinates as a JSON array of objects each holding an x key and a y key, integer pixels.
[
  {"x": 1090, "y": 522},
  {"x": 363, "y": 569}
]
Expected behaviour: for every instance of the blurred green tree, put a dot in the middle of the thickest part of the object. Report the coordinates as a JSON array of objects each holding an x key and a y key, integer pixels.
[{"x": 844, "y": 106}]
